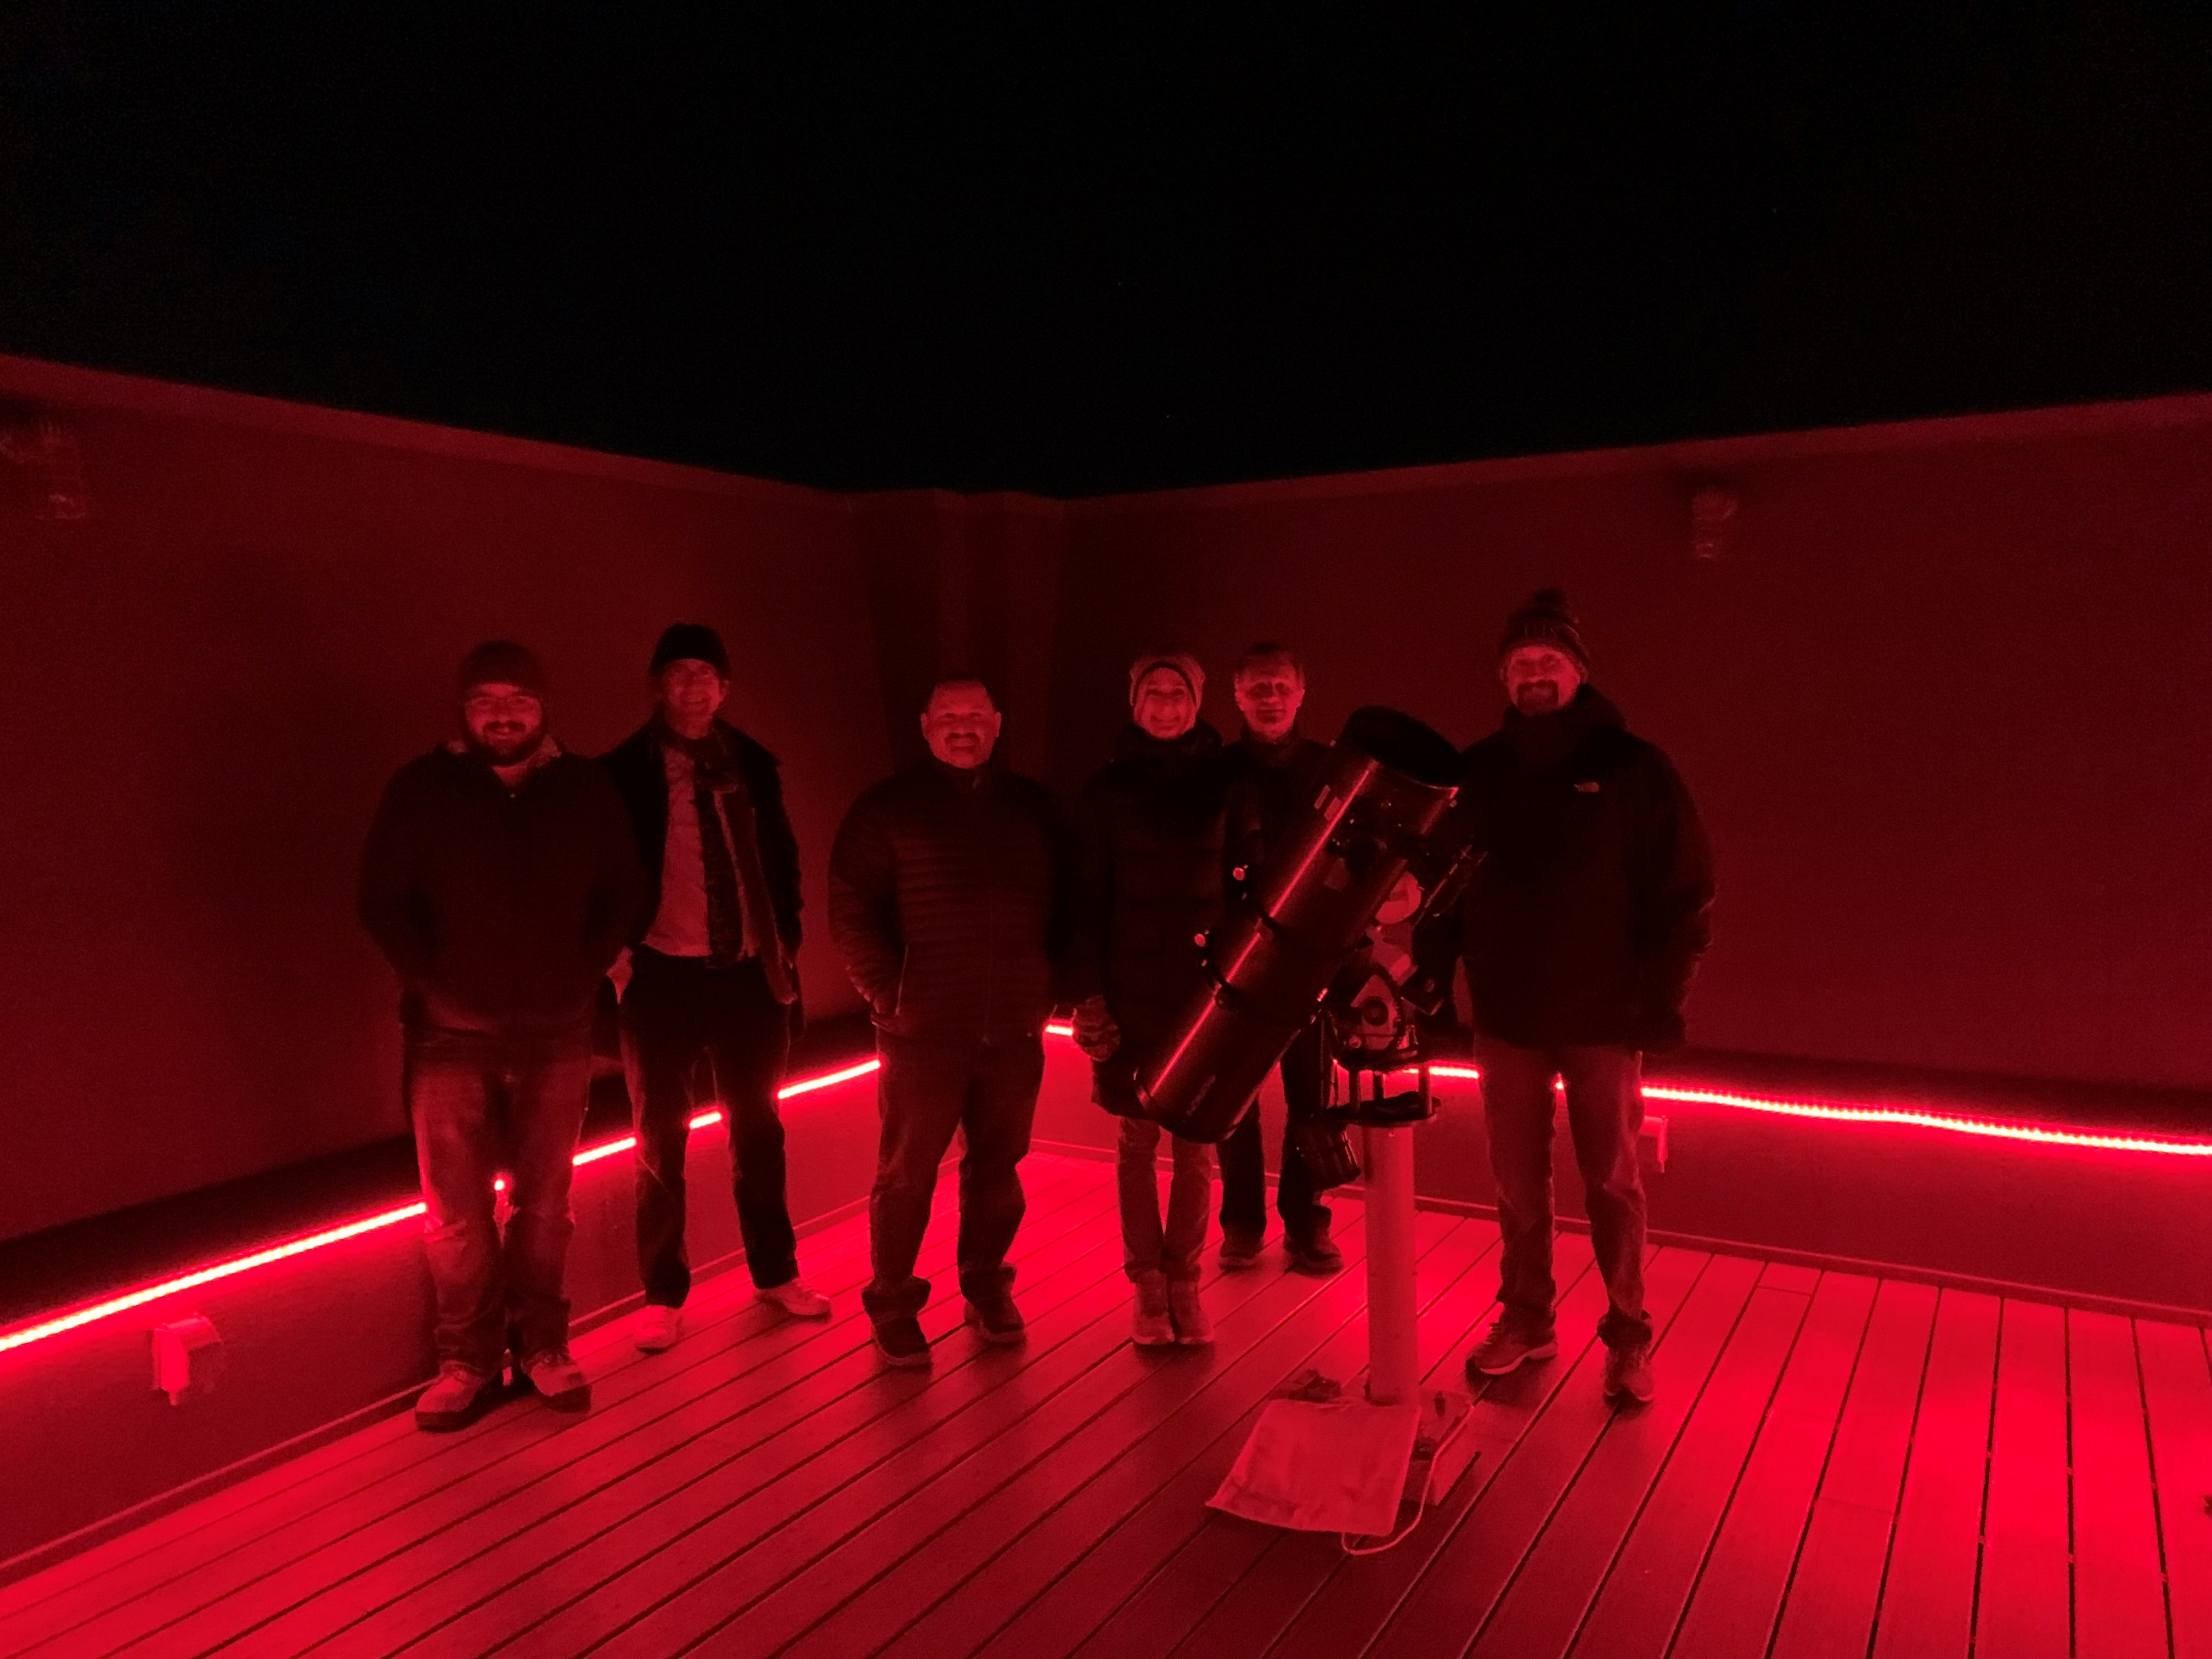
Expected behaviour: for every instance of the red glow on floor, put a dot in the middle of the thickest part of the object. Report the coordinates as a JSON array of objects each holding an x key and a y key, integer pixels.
[{"x": 77, "y": 1319}]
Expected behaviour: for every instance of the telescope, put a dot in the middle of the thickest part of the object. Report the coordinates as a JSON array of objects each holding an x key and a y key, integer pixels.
[{"x": 1327, "y": 933}]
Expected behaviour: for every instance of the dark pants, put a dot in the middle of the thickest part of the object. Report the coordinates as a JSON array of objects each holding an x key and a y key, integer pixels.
[
  {"x": 1605, "y": 1110},
  {"x": 1244, "y": 1157},
  {"x": 988, "y": 1091},
  {"x": 480, "y": 1106},
  {"x": 676, "y": 1012}
]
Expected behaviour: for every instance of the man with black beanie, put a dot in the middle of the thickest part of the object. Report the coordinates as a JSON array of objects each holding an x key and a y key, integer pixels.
[
  {"x": 713, "y": 973},
  {"x": 501, "y": 881},
  {"x": 1580, "y": 929}
]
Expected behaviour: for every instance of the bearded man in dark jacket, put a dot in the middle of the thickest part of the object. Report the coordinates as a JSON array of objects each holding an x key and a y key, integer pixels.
[
  {"x": 500, "y": 882},
  {"x": 714, "y": 973},
  {"x": 1153, "y": 831},
  {"x": 1274, "y": 771},
  {"x": 949, "y": 899},
  {"x": 1580, "y": 931}
]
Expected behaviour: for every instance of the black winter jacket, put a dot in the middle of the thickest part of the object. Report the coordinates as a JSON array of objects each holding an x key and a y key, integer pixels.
[
  {"x": 1585, "y": 920},
  {"x": 1269, "y": 782},
  {"x": 501, "y": 912},
  {"x": 642, "y": 781},
  {"x": 1152, "y": 825},
  {"x": 949, "y": 899}
]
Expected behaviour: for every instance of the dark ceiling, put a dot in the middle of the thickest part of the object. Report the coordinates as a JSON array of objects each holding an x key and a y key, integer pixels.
[{"x": 1072, "y": 251}]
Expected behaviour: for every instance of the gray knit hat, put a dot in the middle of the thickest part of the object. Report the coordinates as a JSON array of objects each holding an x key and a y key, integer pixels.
[{"x": 1181, "y": 661}]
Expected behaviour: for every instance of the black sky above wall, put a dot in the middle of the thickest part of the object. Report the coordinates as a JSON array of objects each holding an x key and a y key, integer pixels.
[{"x": 1072, "y": 251}]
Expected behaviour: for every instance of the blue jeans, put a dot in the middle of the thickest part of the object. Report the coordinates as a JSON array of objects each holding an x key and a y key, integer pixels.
[
  {"x": 1605, "y": 1111},
  {"x": 1153, "y": 1247},
  {"x": 481, "y": 1106}
]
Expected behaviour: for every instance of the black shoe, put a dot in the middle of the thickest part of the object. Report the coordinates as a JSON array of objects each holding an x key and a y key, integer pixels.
[
  {"x": 1314, "y": 1253},
  {"x": 1240, "y": 1248},
  {"x": 1507, "y": 1348},
  {"x": 996, "y": 1320},
  {"x": 900, "y": 1340}
]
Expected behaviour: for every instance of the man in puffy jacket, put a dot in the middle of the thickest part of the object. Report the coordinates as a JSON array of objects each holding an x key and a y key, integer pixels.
[
  {"x": 1580, "y": 932},
  {"x": 949, "y": 903},
  {"x": 1153, "y": 829},
  {"x": 500, "y": 880}
]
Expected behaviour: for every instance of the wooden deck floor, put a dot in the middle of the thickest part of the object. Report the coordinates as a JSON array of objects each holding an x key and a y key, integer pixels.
[{"x": 1834, "y": 1465}]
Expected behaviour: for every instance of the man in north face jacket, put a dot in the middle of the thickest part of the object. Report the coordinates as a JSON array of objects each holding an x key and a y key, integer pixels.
[{"x": 1580, "y": 931}]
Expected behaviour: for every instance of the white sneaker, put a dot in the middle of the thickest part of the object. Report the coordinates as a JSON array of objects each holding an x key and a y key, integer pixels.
[
  {"x": 796, "y": 1297},
  {"x": 658, "y": 1327}
]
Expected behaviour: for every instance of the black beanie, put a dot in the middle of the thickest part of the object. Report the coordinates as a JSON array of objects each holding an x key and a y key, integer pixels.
[
  {"x": 503, "y": 662},
  {"x": 694, "y": 641},
  {"x": 1545, "y": 620}
]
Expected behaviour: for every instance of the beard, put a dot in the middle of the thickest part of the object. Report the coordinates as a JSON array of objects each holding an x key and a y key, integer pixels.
[
  {"x": 504, "y": 745},
  {"x": 1537, "y": 697}
]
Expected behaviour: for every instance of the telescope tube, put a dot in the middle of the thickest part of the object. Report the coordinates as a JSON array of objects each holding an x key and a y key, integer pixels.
[{"x": 1387, "y": 784}]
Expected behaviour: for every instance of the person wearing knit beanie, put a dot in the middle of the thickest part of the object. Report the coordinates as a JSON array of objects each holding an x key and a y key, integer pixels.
[
  {"x": 502, "y": 689},
  {"x": 1154, "y": 827},
  {"x": 714, "y": 974},
  {"x": 1541, "y": 658},
  {"x": 690, "y": 642},
  {"x": 1181, "y": 662},
  {"x": 503, "y": 662},
  {"x": 499, "y": 879},
  {"x": 1579, "y": 932},
  {"x": 1165, "y": 690}
]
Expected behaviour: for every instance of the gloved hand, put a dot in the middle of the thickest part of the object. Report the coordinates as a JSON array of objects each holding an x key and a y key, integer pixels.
[
  {"x": 1659, "y": 1031},
  {"x": 1096, "y": 1033}
]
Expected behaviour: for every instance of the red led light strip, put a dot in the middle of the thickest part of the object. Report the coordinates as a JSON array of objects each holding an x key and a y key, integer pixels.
[
  {"x": 1989, "y": 1128},
  {"x": 1844, "y": 1112},
  {"x": 1832, "y": 1111},
  {"x": 78, "y": 1318}
]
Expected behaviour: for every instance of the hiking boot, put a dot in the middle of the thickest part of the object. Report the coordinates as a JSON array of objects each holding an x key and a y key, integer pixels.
[
  {"x": 1507, "y": 1348},
  {"x": 996, "y": 1320},
  {"x": 1193, "y": 1329},
  {"x": 1628, "y": 1375},
  {"x": 900, "y": 1341},
  {"x": 658, "y": 1327},
  {"x": 558, "y": 1380},
  {"x": 1240, "y": 1248},
  {"x": 461, "y": 1394},
  {"x": 1314, "y": 1253},
  {"x": 796, "y": 1297},
  {"x": 1151, "y": 1325}
]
